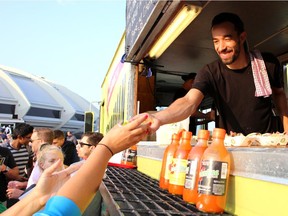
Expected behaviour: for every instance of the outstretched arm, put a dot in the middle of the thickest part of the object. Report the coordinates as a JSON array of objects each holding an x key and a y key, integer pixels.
[
  {"x": 180, "y": 109},
  {"x": 89, "y": 177}
]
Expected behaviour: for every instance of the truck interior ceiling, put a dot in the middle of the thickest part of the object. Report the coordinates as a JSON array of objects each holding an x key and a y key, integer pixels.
[{"x": 266, "y": 24}]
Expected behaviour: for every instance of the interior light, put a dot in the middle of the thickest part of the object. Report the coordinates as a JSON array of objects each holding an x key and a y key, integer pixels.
[{"x": 184, "y": 17}]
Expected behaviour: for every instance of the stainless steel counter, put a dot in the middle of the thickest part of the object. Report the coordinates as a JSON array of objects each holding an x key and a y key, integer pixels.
[{"x": 267, "y": 164}]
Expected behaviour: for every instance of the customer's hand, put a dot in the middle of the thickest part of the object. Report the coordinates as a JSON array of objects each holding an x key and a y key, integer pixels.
[
  {"x": 154, "y": 122},
  {"x": 51, "y": 181},
  {"x": 121, "y": 137},
  {"x": 17, "y": 184},
  {"x": 3, "y": 167},
  {"x": 14, "y": 193}
]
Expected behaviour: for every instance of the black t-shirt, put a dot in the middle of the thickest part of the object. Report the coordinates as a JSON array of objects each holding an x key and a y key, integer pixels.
[
  {"x": 234, "y": 94},
  {"x": 8, "y": 159}
]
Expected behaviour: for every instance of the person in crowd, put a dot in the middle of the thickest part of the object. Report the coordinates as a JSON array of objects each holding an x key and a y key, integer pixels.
[
  {"x": 85, "y": 147},
  {"x": 242, "y": 84},
  {"x": 9, "y": 170},
  {"x": 8, "y": 130},
  {"x": 47, "y": 156},
  {"x": 39, "y": 137},
  {"x": 75, "y": 193},
  {"x": 8, "y": 140},
  {"x": 70, "y": 137},
  {"x": 88, "y": 143},
  {"x": 68, "y": 148},
  {"x": 197, "y": 117},
  {"x": 3, "y": 138},
  {"x": 23, "y": 156},
  {"x": 19, "y": 147}
]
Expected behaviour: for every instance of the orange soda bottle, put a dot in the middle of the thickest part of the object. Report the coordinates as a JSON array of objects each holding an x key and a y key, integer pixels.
[
  {"x": 179, "y": 165},
  {"x": 190, "y": 191},
  {"x": 167, "y": 161},
  {"x": 214, "y": 175},
  {"x": 129, "y": 156}
]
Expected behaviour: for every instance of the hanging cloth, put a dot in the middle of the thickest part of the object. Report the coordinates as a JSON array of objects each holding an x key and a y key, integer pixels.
[{"x": 260, "y": 75}]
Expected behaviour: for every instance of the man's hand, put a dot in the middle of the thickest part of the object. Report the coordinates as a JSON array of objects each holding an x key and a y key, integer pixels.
[{"x": 152, "y": 120}]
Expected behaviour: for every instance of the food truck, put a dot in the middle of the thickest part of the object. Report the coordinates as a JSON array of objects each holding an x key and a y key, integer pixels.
[{"x": 157, "y": 49}]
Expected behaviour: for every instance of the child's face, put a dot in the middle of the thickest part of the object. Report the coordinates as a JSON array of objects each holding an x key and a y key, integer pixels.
[{"x": 50, "y": 158}]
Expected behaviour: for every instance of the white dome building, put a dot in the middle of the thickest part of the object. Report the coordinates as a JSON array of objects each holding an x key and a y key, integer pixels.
[{"x": 41, "y": 103}]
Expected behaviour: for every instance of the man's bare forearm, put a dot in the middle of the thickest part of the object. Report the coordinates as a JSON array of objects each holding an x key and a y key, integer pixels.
[{"x": 180, "y": 109}]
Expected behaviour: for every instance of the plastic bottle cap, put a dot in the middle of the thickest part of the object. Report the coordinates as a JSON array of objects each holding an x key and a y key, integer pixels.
[
  {"x": 203, "y": 134},
  {"x": 175, "y": 137},
  {"x": 219, "y": 133},
  {"x": 186, "y": 135},
  {"x": 180, "y": 132}
]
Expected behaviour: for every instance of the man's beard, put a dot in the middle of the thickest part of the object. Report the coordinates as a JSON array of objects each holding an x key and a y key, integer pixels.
[{"x": 234, "y": 56}]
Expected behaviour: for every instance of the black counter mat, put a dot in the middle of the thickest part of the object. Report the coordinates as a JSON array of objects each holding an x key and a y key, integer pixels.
[{"x": 130, "y": 192}]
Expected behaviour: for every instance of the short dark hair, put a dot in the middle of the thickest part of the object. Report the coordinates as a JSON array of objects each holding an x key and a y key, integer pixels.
[
  {"x": 93, "y": 138},
  {"x": 229, "y": 17},
  {"x": 22, "y": 130},
  {"x": 58, "y": 134}
]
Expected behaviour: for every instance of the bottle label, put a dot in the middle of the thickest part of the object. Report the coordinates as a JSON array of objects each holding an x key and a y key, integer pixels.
[
  {"x": 129, "y": 155},
  {"x": 178, "y": 171},
  {"x": 168, "y": 167},
  {"x": 190, "y": 178},
  {"x": 213, "y": 178}
]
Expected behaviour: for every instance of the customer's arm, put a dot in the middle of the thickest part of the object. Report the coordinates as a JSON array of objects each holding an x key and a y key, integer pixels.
[
  {"x": 12, "y": 173},
  {"x": 48, "y": 184},
  {"x": 89, "y": 177}
]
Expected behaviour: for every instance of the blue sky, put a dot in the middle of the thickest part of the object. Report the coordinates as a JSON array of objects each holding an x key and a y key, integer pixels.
[{"x": 70, "y": 42}]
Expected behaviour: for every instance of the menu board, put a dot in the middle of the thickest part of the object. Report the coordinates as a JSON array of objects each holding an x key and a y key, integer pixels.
[{"x": 137, "y": 13}]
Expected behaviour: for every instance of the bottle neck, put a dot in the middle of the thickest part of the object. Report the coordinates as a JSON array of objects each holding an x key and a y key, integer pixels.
[
  {"x": 186, "y": 141},
  {"x": 217, "y": 141},
  {"x": 202, "y": 142},
  {"x": 175, "y": 142}
]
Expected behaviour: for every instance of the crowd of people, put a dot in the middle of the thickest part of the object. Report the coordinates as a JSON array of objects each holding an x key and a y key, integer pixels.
[
  {"x": 5, "y": 135},
  {"x": 50, "y": 182},
  {"x": 28, "y": 153}
]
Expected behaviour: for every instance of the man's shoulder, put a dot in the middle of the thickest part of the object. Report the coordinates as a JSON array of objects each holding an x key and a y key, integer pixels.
[{"x": 4, "y": 150}]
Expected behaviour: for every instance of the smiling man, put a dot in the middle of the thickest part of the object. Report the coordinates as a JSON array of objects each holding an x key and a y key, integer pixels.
[{"x": 242, "y": 83}]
